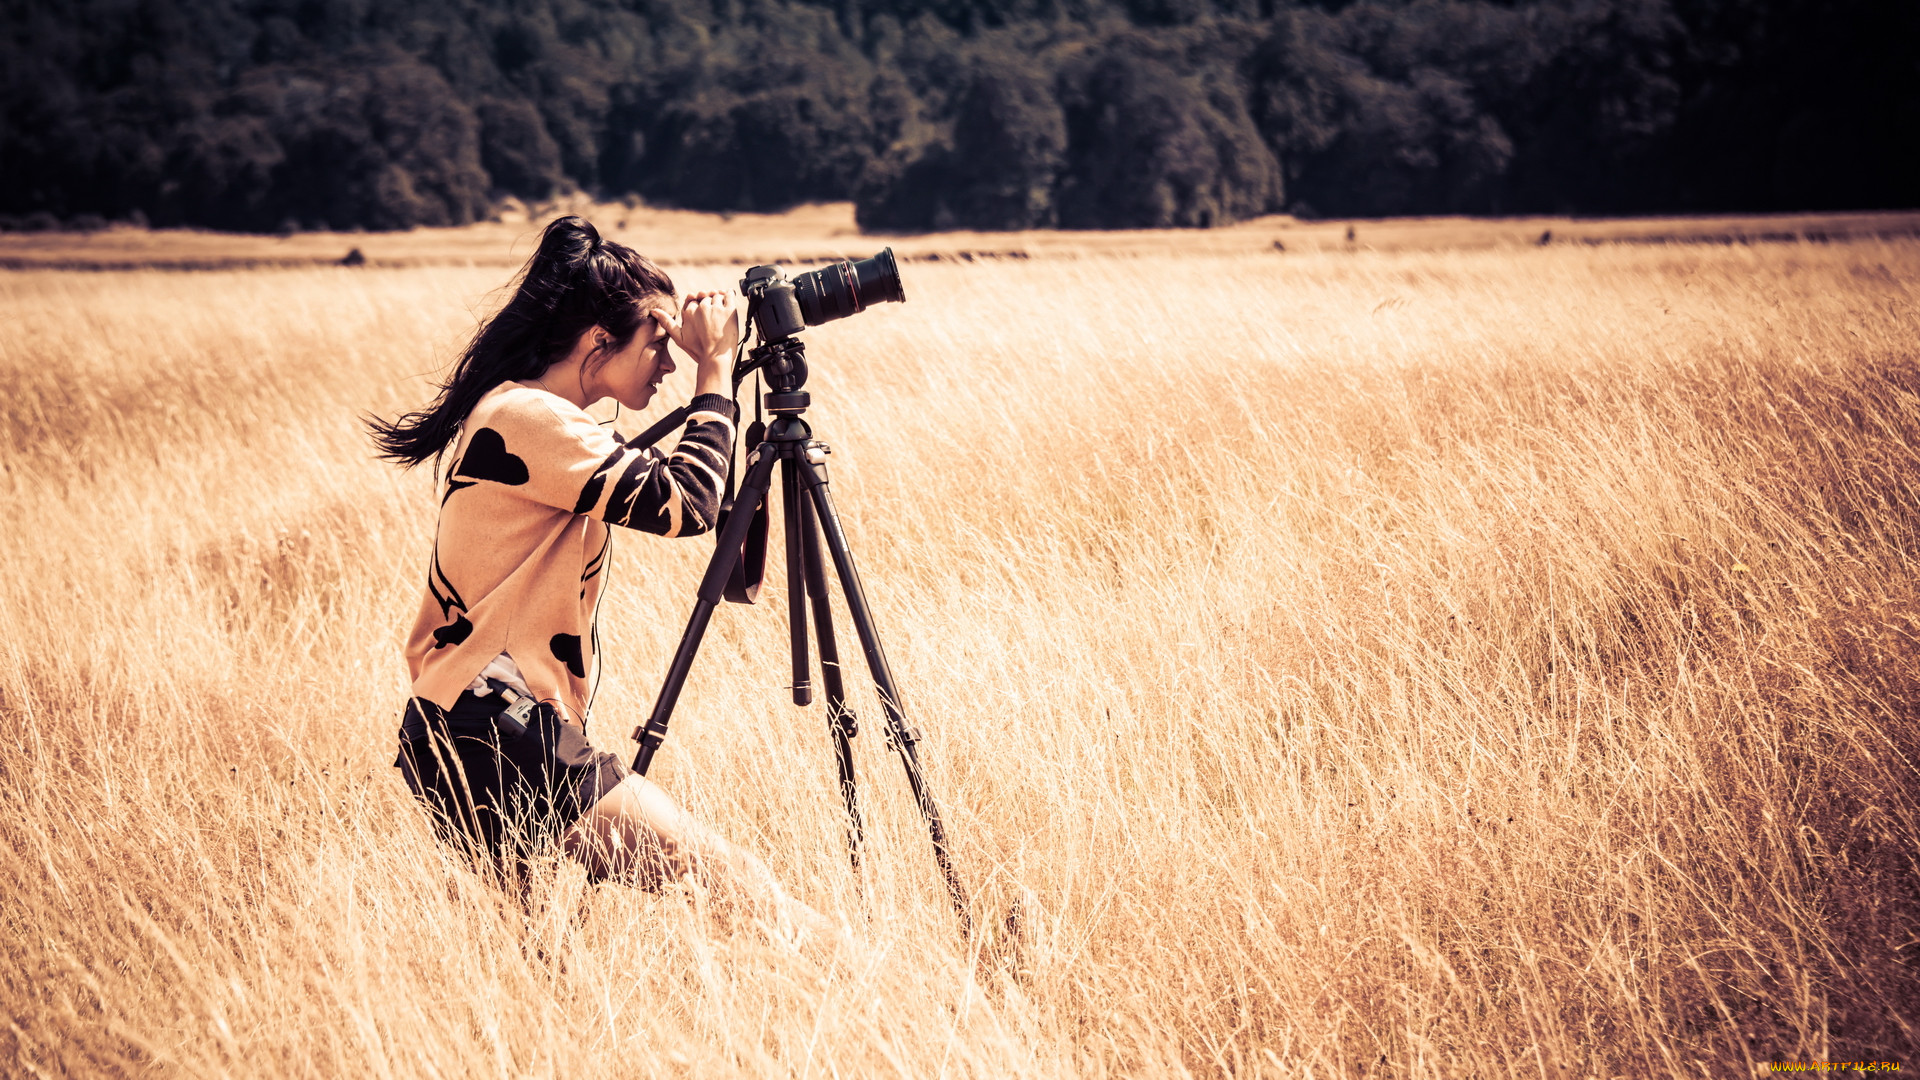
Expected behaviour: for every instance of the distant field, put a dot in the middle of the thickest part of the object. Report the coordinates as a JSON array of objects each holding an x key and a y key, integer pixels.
[
  {"x": 823, "y": 232},
  {"x": 1407, "y": 658}
]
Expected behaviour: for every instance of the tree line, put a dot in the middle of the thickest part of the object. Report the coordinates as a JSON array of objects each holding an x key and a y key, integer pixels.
[{"x": 264, "y": 115}]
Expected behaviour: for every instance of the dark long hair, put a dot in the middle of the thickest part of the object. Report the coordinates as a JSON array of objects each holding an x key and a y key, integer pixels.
[{"x": 574, "y": 282}]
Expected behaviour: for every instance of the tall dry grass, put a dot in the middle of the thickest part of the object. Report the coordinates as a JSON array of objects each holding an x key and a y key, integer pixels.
[{"x": 1479, "y": 664}]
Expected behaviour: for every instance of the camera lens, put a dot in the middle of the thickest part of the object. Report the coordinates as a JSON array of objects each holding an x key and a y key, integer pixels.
[{"x": 846, "y": 288}]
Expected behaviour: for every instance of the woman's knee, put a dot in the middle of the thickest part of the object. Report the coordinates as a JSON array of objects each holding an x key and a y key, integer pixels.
[{"x": 635, "y": 830}]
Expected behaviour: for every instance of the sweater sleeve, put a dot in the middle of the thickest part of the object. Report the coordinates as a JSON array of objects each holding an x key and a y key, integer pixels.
[{"x": 565, "y": 460}]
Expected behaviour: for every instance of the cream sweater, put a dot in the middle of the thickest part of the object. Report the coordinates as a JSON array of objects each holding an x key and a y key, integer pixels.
[{"x": 522, "y": 539}]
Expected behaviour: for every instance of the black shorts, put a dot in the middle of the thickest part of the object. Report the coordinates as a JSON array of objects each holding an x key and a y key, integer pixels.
[{"x": 498, "y": 789}]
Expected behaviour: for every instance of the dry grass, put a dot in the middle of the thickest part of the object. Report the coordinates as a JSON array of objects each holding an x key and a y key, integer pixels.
[{"x": 1492, "y": 663}]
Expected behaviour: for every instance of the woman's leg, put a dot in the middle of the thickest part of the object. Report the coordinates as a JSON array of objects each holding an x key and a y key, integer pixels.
[{"x": 638, "y": 835}]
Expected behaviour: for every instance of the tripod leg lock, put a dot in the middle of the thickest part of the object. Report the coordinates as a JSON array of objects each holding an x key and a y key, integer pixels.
[{"x": 649, "y": 740}]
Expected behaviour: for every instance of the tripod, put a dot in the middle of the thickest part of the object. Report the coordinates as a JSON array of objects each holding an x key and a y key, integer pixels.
[{"x": 809, "y": 514}]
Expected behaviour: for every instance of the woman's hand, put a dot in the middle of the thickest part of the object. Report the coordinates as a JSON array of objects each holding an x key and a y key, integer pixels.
[{"x": 707, "y": 330}]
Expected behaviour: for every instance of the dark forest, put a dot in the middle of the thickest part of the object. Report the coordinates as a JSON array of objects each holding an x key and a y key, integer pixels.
[{"x": 270, "y": 115}]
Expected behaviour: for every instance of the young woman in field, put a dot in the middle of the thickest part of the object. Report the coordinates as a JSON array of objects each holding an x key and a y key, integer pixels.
[{"x": 518, "y": 566}]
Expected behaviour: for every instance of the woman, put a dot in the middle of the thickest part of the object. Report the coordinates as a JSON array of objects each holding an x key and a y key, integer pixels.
[{"x": 493, "y": 741}]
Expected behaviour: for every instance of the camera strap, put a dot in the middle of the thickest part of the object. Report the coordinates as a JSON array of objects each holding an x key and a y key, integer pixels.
[{"x": 750, "y": 569}]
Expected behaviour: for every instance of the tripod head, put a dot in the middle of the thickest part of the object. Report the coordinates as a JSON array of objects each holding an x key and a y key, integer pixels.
[{"x": 783, "y": 364}]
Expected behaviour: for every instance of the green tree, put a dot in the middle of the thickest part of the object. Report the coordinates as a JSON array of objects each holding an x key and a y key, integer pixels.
[
  {"x": 997, "y": 170},
  {"x": 1149, "y": 147}
]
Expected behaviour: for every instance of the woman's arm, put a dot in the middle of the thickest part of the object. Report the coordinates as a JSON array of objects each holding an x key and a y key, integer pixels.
[
  {"x": 675, "y": 494},
  {"x": 553, "y": 453}
]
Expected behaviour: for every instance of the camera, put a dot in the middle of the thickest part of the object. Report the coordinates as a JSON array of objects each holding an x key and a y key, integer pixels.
[{"x": 780, "y": 307}]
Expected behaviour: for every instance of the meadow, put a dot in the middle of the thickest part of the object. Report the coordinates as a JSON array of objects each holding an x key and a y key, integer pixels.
[{"x": 1492, "y": 662}]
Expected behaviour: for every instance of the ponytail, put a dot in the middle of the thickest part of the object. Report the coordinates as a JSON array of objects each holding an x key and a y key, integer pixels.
[{"x": 574, "y": 282}]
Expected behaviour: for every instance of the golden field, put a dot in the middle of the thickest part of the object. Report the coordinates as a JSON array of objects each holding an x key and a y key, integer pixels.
[{"x": 1489, "y": 661}]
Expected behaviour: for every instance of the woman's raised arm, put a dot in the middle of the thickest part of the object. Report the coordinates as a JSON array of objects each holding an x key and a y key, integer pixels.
[{"x": 555, "y": 454}]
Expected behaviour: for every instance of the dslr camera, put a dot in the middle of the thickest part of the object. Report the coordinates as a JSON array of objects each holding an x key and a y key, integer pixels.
[{"x": 780, "y": 307}]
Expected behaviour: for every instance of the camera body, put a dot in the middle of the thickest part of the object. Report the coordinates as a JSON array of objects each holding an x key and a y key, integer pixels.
[{"x": 780, "y": 307}]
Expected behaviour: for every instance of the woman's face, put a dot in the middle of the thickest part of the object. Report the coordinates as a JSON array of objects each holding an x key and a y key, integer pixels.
[{"x": 632, "y": 375}]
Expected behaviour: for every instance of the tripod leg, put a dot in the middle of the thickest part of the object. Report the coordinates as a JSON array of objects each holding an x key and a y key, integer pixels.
[
  {"x": 903, "y": 736},
  {"x": 713, "y": 587},
  {"x": 796, "y": 584},
  {"x": 840, "y": 720}
]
